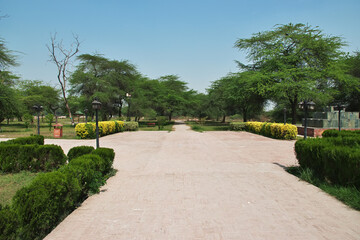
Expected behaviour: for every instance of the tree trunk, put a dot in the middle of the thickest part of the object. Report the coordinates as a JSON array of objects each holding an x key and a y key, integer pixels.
[
  {"x": 224, "y": 118},
  {"x": 244, "y": 115},
  {"x": 170, "y": 116},
  {"x": 294, "y": 109}
]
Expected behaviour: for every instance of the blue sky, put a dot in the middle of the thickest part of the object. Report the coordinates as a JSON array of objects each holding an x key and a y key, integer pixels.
[{"x": 190, "y": 38}]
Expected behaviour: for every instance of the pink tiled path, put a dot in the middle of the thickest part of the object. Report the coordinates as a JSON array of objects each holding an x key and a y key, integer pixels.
[{"x": 212, "y": 185}]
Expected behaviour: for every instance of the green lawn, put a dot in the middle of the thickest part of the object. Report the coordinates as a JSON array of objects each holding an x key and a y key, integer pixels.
[
  {"x": 17, "y": 129},
  {"x": 11, "y": 183},
  {"x": 208, "y": 126},
  {"x": 155, "y": 128}
]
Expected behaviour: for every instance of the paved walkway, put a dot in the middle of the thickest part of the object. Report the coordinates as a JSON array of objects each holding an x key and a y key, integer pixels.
[{"x": 213, "y": 185}]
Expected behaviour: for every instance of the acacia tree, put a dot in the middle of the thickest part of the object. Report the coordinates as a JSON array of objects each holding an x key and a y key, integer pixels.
[
  {"x": 296, "y": 61},
  {"x": 238, "y": 93},
  {"x": 62, "y": 57}
]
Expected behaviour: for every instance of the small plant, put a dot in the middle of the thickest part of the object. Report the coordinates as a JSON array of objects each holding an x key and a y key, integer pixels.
[
  {"x": 28, "y": 119},
  {"x": 50, "y": 120},
  {"x": 161, "y": 121}
]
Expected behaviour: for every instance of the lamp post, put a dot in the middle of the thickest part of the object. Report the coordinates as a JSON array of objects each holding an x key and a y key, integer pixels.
[
  {"x": 338, "y": 107},
  {"x": 128, "y": 95},
  {"x": 284, "y": 116},
  {"x": 96, "y": 105},
  {"x": 306, "y": 105},
  {"x": 38, "y": 109},
  {"x": 86, "y": 112}
]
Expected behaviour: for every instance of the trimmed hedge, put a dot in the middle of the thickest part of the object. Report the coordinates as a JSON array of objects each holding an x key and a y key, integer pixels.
[
  {"x": 36, "y": 139},
  {"x": 37, "y": 208},
  {"x": 88, "y": 130},
  {"x": 343, "y": 133},
  {"x": 237, "y": 126},
  {"x": 79, "y": 151},
  {"x": 273, "y": 130},
  {"x": 334, "y": 159},
  {"x": 16, "y": 157},
  {"x": 131, "y": 126}
]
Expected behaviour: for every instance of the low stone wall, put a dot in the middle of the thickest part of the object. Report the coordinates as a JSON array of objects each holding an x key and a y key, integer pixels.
[{"x": 317, "y": 132}]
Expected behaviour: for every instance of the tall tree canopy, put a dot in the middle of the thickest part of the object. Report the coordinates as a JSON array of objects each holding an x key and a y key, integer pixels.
[{"x": 297, "y": 62}]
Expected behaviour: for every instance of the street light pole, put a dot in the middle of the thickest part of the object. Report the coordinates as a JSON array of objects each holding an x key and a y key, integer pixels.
[
  {"x": 128, "y": 95},
  {"x": 38, "y": 109},
  {"x": 86, "y": 111},
  {"x": 97, "y": 106},
  {"x": 339, "y": 107},
  {"x": 306, "y": 105}
]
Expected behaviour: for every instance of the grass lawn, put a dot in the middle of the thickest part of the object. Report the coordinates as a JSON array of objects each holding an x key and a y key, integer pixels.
[
  {"x": 209, "y": 126},
  {"x": 168, "y": 128},
  {"x": 348, "y": 195},
  {"x": 10, "y": 183},
  {"x": 17, "y": 129}
]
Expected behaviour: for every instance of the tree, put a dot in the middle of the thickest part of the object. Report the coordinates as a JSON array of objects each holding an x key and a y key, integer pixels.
[
  {"x": 109, "y": 81},
  {"x": 239, "y": 93},
  {"x": 36, "y": 92},
  {"x": 296, "y": 62},
  {"x": 9, "y": 102},
  {"x": 62, "y": 57}
]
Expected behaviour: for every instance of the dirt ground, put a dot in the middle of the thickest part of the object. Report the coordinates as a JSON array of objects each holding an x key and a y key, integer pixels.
[{"x": 212, "y": 185}]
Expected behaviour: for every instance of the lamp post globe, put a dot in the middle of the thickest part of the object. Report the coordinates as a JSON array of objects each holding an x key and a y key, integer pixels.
[{"x": 96, "y": 105}]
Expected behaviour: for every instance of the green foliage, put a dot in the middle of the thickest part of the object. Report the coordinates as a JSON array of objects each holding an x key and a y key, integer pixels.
[
  {"x": 108, "y": 155},
  {"x": 343, "y": 133},
  {"x": 296, "y": 61},
  {"x": 42, "y": 204},
  {"x": 161, "y": 121},
  {"x": 8, "y": 223},
  {"x": 79, "y": 151},
  {"x": 16, "y": 157},
  {"x": 131, "y": 126},
  {"x": 332, "y": 159},
  {"x": 28, "y": 118},
  {"x": 239, "y": 93},
  {"x": 50, "y": 119},
  {"x": 237, "y": 126},
  {"x": 36, "y": 139}
]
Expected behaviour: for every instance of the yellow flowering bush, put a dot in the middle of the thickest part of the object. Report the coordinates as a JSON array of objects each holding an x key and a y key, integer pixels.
[
  {"x": 88, "y": 130},
  {"x": 274, "y": 130}
]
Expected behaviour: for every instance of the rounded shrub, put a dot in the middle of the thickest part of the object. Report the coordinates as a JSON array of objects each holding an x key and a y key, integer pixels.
[{"x": 79, "y": 151}]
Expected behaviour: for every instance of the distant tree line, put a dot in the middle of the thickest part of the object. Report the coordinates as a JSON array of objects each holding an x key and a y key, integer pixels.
[{"x": 287, "y": 64}]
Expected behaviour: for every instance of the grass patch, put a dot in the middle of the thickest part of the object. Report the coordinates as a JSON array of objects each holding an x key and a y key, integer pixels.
[
  {"x": 209, "y": 126},
  {"x": 17, "y": 129},
  {"x": 168, "y": 128},
  {"x": 11, "y": 183},
  {"x": 347, "y": 194}
]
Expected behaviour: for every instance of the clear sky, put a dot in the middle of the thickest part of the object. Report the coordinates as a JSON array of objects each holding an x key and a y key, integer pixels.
[{"x": 193, "y": 39}]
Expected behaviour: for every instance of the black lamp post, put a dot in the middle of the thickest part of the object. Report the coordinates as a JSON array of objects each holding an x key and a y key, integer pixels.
[
  {"x": 86, "y": 112},
  {"x": 38, "y": 109},
  {"x": 128, "y": 95},
  {"x": 96, "y": 105},
  {"x": 338, "y": 107},
  {"x": 284, "y": 116},
  {"x": 306, "y": 105}
]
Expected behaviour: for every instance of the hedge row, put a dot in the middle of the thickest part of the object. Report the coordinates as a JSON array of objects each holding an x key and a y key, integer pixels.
[
  {"x": 274, "y": 130},
  {"x": 88, "y": 130},
  {"x": 336, "y": 159},
  {"x": 36, "y": 139},
  {"x": 16, "y": 157},
  {"x": 36, "y": 209},
  {"x": 343, "y": 133},
  {"x": 237, "y": 126}
]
